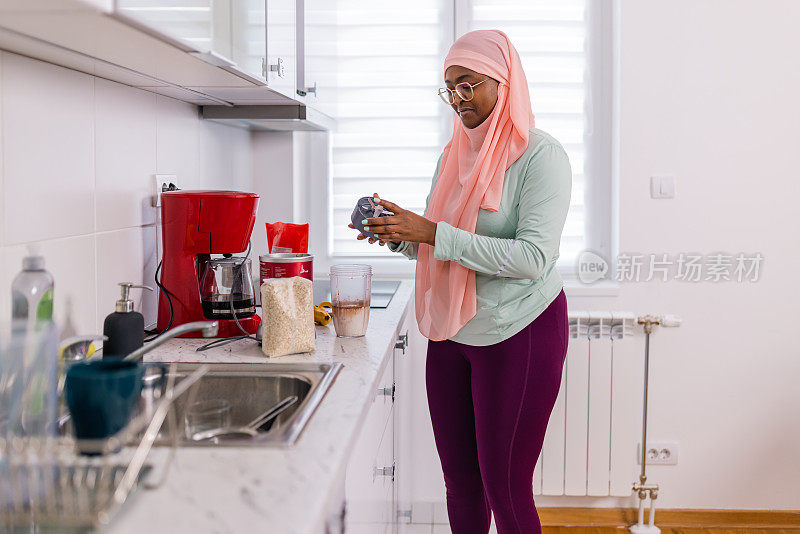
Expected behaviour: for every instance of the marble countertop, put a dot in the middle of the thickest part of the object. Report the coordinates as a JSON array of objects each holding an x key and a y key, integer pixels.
[{"x": 280, "y": 491}]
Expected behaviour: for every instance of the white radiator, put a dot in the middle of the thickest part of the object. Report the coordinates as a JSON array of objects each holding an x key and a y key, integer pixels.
[{"x": 590, "y": 444}]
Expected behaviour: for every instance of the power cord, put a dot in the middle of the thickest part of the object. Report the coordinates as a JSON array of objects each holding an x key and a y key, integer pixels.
[{"x": 155, "y": 333}]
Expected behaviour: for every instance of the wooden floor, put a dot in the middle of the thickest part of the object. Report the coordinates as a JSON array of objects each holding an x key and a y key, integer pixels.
[
  {"x": 444, "y": 529},
  {"x": 670, "y": 521}
]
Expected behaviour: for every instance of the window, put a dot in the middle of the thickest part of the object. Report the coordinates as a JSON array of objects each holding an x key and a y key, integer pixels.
[{"x": 378, "y": 65}]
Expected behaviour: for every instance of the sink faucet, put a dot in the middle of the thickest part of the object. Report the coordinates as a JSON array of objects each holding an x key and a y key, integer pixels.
[{"x": 208, "y": 329}]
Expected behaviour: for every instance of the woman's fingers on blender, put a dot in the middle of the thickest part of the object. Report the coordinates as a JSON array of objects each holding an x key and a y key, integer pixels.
[
  {"x": 391, "y": 206},
  {"x": 380, "y": 221},
  {"x": 386, "y": 228},
  {"x": 386, "y": 237},
  {"x": 385, "y": 203},
  {"x": 384, "y": 234},
  {"x": 350, "y": 225}
]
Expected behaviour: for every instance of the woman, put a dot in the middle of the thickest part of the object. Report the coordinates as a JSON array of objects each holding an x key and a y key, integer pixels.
[{"x": 488, "y": 295}]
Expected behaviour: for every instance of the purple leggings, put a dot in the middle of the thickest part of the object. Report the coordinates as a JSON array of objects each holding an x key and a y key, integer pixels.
[{"x": 489, "y": 408}]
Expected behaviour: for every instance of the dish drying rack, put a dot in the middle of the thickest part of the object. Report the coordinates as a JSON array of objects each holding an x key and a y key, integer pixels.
[{"x": 47, "y": 482}]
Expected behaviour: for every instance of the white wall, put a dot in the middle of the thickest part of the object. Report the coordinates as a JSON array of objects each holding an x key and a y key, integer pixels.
[
  {"x": 289, "y": 173},
  {"x": 708, "y": 91},
  {"x": 76, "y": 170},
  {"x": 273, "y": 172}
]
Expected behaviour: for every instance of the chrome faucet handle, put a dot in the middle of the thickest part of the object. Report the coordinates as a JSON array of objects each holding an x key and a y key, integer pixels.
[{"x": 207, "y": 328}]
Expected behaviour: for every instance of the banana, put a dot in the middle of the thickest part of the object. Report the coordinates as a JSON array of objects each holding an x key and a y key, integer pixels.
[{"x": 321, "y": 315}]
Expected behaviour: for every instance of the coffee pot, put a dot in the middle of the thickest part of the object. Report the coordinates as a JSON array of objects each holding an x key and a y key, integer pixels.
[{"x": 226, "y": 288}]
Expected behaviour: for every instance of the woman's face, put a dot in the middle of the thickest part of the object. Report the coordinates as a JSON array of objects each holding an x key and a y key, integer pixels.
[{"x": 475, "y": 111}]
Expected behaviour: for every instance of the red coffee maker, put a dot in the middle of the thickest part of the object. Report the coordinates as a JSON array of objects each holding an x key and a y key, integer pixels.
[{"x": 204, "y": 274}]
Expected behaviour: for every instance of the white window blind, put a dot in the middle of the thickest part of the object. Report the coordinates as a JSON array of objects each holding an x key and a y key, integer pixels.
[
  {"x": 379, "y": 64},
  {"x": 551, "y": 38}
]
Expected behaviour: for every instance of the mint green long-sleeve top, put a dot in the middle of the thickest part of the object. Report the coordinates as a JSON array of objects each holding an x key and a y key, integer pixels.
[{"x": 514, "y": 250}]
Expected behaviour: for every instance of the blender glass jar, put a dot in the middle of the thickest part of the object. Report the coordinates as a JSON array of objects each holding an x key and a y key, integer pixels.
[{"x": 351, "y": 288}]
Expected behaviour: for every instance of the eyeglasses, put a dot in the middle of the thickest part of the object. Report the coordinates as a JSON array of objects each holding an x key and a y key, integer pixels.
[{"x": 463, "y": 90}]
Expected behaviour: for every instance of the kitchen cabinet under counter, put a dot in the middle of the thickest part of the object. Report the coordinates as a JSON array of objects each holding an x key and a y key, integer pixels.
[{"x": 346, "y": 451}]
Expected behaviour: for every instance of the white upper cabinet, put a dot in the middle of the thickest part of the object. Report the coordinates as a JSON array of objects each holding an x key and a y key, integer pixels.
[
  {"x": 251, "y": 38},
  {"x": 282, "y": 46},
  {"x": 306, "y": 80},
  {"x": 242, "y": 52},
  {"x": 191, "y": 23}
]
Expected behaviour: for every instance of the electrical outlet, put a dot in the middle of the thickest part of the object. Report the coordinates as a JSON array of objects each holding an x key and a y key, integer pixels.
[
  {"x": 159, "y": 183},
  {"x": 659, "y": 453}
]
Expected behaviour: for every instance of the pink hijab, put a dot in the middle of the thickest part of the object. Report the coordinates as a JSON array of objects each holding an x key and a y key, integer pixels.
[{"x": 470, "y": 177}]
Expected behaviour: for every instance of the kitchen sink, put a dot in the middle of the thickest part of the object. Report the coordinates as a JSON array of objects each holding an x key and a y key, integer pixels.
[{"x": 251, "y": 389}]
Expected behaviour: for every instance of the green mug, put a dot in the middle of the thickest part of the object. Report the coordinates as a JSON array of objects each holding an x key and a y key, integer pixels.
[{"x": 102, "y": 395}]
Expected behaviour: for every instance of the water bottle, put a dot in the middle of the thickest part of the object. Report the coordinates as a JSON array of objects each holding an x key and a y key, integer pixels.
[{"x": 32, "y": 290}]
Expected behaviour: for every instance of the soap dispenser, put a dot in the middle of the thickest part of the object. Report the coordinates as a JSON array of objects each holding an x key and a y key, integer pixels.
[{"x": 125, "y": 327}]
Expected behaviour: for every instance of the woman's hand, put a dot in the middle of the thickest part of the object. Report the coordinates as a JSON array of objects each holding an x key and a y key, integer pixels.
[
  {"x": 404, "y": 225},
  {"x": 361, "y": 236}
]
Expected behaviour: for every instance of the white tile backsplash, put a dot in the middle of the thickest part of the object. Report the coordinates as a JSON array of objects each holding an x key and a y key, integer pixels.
[
  {"x": 77, "y": 159},
  {"x": 235, "y": 164},
  {"x": 125, "y": 155},
  {"x": 127, "y": 255},
  {"x": 48, "y": 151},
  {"x": 177, "y": 141}
]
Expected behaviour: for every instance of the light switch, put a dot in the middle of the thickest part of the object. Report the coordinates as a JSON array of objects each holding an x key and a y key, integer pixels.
[{"x": 662, "y": 186}]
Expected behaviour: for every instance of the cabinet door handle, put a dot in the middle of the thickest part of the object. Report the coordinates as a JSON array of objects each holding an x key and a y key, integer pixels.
[
  {"x": 279, "y": 68},
  {"x": 385, "y": 471},
  {"x": 388, "y": 392},
  {"x": 308, "y": 90},
  {"x": 402, "y": 342}
]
